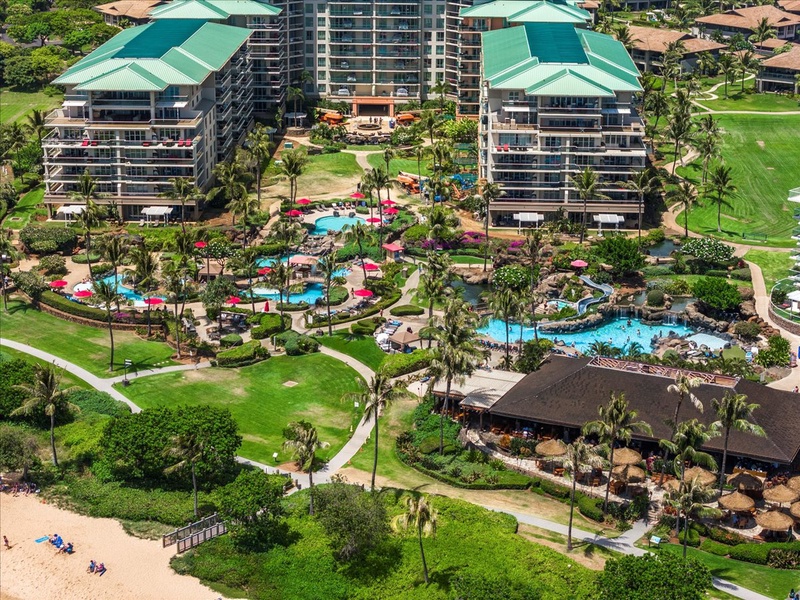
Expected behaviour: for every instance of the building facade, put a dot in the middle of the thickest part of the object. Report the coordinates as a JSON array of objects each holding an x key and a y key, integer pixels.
[
  {"x": 746, "y": 20},
  {"x": 167, "y": 99},
  {"x": 780, "y": 73},
  {"x": 555, "y": 100}
]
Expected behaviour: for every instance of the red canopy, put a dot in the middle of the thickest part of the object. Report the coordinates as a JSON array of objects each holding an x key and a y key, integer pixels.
[
  {"x": 153, "y": 301},
  {"x": 200, "y": 245},
  {"x": 579, "y": 264},
  {"x": 373, "y": 220},
  {"x": 59, "y": 283},
  {"x": 357, "y": 196},
  {"x": 264, "y": 270},
  {"x": 391, "y": 211},
  {"x": 392, "y": 247},
  {"x": 234, "y": 300},
  {"x": 388, "y": 202},
  {"x": 83, "y": 294},
  {"x": 294, "y": 213},
  {"x": 304, "y": 201},
  {"x": 371, "y": 267},
  {"x": 363, "y": 293}
]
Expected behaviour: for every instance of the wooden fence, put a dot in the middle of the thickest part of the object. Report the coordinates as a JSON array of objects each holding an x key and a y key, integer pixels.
[{"x": 195, "y": 534}]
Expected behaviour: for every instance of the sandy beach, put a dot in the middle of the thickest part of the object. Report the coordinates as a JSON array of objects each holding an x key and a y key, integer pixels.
[{"x": 137, "y": 569}]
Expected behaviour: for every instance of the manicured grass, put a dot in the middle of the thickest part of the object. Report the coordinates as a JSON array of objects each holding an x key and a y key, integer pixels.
[
  {"x": 737, "y": 100},
  {"x": 774, "y": 265},
  {"x": 466, "y": 260},
  {"x": 339, "y": 164},
  {"x": 407, "y": 165},
  {"x": 260, "y": 402},
  {"x": 67, "y": 378},
  {"x": 25, "y": 209},
  {"x": 87, "y": 347},
  {"x": 773, "y": 583},
  {"x": 17, "y": 104},
  {"x": 361, "y": 347},
  {"x": 760, "y": 149}
]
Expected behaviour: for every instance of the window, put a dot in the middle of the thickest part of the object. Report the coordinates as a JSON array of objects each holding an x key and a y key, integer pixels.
[
  {"x": 321, "y": 62},
  {"x": 321, "y": 49},
  {"x": 428, "y": 51},
  {"x": 513, "y": 96},
  {"x": 427, "y": 23},
  {"x": 440, "y": 36},
  {"x": 309, "y": 8},
  {"x": 439, "y": 50},
  {"x": 136, "y": 153},
  {"x": 309, "y": 21},
  {"x": 135, "y": 135},
  {"x": 439, "y": 23},
  {"x": 440, "y": 9},
  {"x": 309, "y": 36},
  {"x": 310, "y": 60},
  {"x": 321, "y": 35},
  {"x": 321, "y": 75},
  {"x": 428, "y": 36},
  {"x": 320, "y": 21},
  {"x": 428, "y": 9},
  {"x": 309, "y": 48},
  {"x": 440, "y": 63}
]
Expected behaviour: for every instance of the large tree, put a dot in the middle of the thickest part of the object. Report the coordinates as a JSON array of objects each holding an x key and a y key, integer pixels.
[
  {"x": 89, "y": 217},
  {"x": 302, "y": 439},
  {"x": 260, "y": 146},
  {"x": 251, "y": 507},
  {"x": 506, "y": 304},
  {"x": 587, "y": 185},
  {"x": 107, "y": 296},
  {"x": 662, "y": 575},
  {"x": 580, "y": 456},
  {"x": 489, "y": 192},
  {"x": 329, "y": 268},
  {"x": 734, "y": 413},
  {"x": 183, "y": 190},
  {"x": 720, "y": 185},
  {"x": 420, "y": 515},
  {"x": 293, "y": 165},
  {"x": 691, "y": 500},
  {"x": 187, "y": 449},
  {"x": 435, "y": 278},
  {"x": 644, "y": 182},
  {"x": 359, "y": 234}
]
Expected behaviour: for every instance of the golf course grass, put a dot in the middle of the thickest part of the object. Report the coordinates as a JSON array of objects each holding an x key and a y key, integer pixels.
[
  {"x": 261, "y": 401},
  {"x": 407, "y": 165}
]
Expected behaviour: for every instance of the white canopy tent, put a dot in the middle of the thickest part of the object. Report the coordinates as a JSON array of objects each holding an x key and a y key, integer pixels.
[
  {"x": 527, "y": 217},
  {"x": 157, "y": 212},
  {"x": 608, "y": 219},
  {"x": 794, "y": 195},
  {"x": 70, "y": 210}
]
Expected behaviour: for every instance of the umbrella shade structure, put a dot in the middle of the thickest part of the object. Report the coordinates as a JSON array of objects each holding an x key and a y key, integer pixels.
[
  {"x": 388, "y": 202},
  {"x": 391, "y": 211},
  {"x": 737, "y": 502},
  {"x": 153, "y": 301},
  {"x": 200, "y": 245},
  {"x": 371, "y": 267},
  {"x": 304, "y": 201},
  {"x": 363, "y": 293},
  {"x": 234, "y": 300},
  {"x": 264, "y": 270},
  {"x": 794, "y": 509},
  {"x": 59, "y": 283},
  {"x": 405, "y": 179},
  {"x": 294, "y": 213},
  {"x": 579, "y": 264},
  {"x": 794, "y": 483},
  {"x": 703, "y": 476},
  {"x": 551, "y": 448},
  {"x": 745, "y": 481},
  {"x": 303, "y": 259},
  {"x": 405, "y": 337},
  {"x": 774, "y": 520},
  {"x": 83, "y": 294},
  {"x": 673, "y": 485},
  {"x": 357, "y": 196},
  {"x": 781, "y": 494},
  {"x": 628, "y": 473},
  {"x": 626, "y": 456},
  {"x": 373, "y": 220}
]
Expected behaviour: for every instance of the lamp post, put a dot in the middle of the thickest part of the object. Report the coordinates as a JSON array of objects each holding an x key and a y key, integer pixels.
[{"x": 127, "y": 364}]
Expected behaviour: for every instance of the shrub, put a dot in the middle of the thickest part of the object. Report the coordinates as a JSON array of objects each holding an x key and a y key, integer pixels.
[
  {"x": 752, "y": 553},
  {"x": 621, "y": 253},
  {"x": 715, "y": 548},
  {"x": 708, "y": 249},
  {"x": 98, "y": 402},
  {"x": 405, "y": 310},
  {"x": 747, "y": 330},
  {"x": 512, "y": 277},
  {"x": 654, "y": 236},
  {"x": 678, "y": 287},
  {"x": 717, "y": 294},
  {"x": 780, "y": 558},
  {"x": 655, "y": 298},
  {"x": 742, "y": 274},
  {"x": 365, "y": 326},
  {"x": 268, "y": 325},
  {"x": 401, "y": 364},
  {"x": 53, "y": 265},
  {"x": 301, "y": 344},
  {"x": 723, "y": 536},
  {"x": 776, "y": 353},
  {"x": 339, "y": 294},
  {"x": 283, "y": 338},
  {"x": 693, "y": 537},
  {"x": 246, "y": 354},
  {"x": 231, "y": 340},
  {"x": 590, "y": 509},
  {"x": 46, "y": 240},
  {"x": 95, "y": 314},
  {"x": 82, "y": 258}
]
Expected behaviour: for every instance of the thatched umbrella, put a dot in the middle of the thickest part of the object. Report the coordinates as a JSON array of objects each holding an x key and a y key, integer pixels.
[
  {"x": 745, "y": 481},
  {"x": 551, "y": 448},
  {"x": 774, "y": 520},
  {"x": 737, "y": 502},
  {"x": 794, "y": 483},
  {"x": 628, "y": 473},
  {"x": 626, "y": 456},
  {"x": 702, "y": 476},
  {"x": 673, "y": 485},
  {"x": 781, "y": 494},
  {"x": 795, "y": 510}
]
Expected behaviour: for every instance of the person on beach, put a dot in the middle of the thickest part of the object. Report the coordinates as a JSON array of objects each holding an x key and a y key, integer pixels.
[
  {"x": 92, "y": 566},
  {"x": 6, "y": 544},
  {"x": 101, "y": 569}
]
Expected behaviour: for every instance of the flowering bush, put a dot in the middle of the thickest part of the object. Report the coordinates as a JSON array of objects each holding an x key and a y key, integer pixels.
[
  {"x": 513, "y": 277},
  {"x": 709, "y": 250}
]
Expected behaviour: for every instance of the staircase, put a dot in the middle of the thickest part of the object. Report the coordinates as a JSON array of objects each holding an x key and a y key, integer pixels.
[{"x": 654, "y": 511}]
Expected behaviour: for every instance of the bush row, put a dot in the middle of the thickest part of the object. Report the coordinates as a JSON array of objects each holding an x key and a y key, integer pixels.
[
  {"x": 405, "y": 310},
  {"x": 78, "y": 309},
  {"x": 268, "y": 324},
  {"x": 296, "y": 344},
  {"x": 383, "y": 303},
  {"x": 402, "y": 364},
  {"x": 241, "y": 356},
  {"x": 366, "y": 326},
  {"x": 760, "y": 553}
]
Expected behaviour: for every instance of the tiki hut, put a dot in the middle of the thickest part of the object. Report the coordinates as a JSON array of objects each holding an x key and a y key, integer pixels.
[
  {"x": 774, "y": 520},
  {"x": 551, "y": 448},
  {"x": 626, "y": 456},
  {"x": 628, "y": 473},
  {"x": 737, "y": 502},
  {"x": 794, "y": 483},
  {"x": 672, "y": 485},
  {"x": 794, "y": 509},
  {"x": 745, "y": 481},
  {"x": 781, "y": 494},
  {"x": 703, "y": 476}
]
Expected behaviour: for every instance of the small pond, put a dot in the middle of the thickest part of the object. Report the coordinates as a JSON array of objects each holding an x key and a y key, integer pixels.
[{"x": 663, "y": 249}]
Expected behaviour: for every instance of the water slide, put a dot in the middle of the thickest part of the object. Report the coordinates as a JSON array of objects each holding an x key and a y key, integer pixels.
[{"x": 585, "y": 303}]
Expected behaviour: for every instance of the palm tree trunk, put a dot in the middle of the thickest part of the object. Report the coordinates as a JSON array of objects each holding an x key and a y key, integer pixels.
[
  {"x": 177, "y": 328},
  {"x": 685, "y": 534},
  {"x": 724, "y": 460},
  {"x": 111, "y": 338},
  {"x": 361, "y": 256},
  {"x": 5, "y": 296},
  {"x": 375, "y": 458},
  {"x": 583, "y": 228},
  {"x": 486, "y": 238},
  {"x": 571, "y": 510},
  {"x": 311, "y": 488},
  {"x": 441, "y": 416},
  {"x": 194, "y": 488},
  {"x": 508, "y": 349},
  {"x": 422, "y": 554},
  {"x": 258, "y": 185},
  {"x": 719, "y": 215},
  {"x": 88, "y": 238},
  {"x": 149, "y": 329},
  {"x": 675, "y": 160},
  {"x": 53, "y": 438},
  {"x": 686, "y": 221},
  {"x": 608, "y": 483},
  {"x": 328, "y": 304},
  {"x": 183, "y": 211},
  {"x": 641, "y": 206}
]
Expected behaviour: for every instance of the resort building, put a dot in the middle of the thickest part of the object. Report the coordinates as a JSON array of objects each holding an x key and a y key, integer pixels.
[
  {"x": 780, "y": 73},
  {"x": 651, "y": 43},
  {"x": 167, "y": 99},
  {"x": 746, "y": 20},
  {"x": 130, "y": 12},
  {"x": 555, "y": 100},
  {"x": 792, "y": 6}
]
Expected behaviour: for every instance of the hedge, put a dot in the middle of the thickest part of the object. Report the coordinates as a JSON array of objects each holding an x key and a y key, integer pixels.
[
  {"x": 231, "y": 340},
  {"x": 53, "y": 265},
  {"x": 589, "y": 508},
  {"x": 82, "y": 259},
  {"x": 46, "y": 240},
  {"x": 405, "y": 310},
  {"x": 383, "y": 303},
  {"x": 522, "y": 482},
  {"x": 723, "y": 536},
  {"x": 714, "y": 548},
  {"x": 759, "y": 553},
  {"x": 339, "y": 295},
  {"x": 301, "y": 344},
  {"x": 96, "y": 314},
  {"x": 365, "y": 326},
  {"x": 241, "y": 356},
  {"x": 402, "y": 364},
  {"x": 693, "y": 538},
  {"x": 268, "y": 325}
]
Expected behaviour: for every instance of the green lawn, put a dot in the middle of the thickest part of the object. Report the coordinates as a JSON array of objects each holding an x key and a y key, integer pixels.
[
  {"x": 363, "y": 348},
  {"x": 25, "y": 209},
  {"x": 339, "y": 164},
  {"x": 774, "y": 265},
  {"x": 466, "y": 260},
  {"x": 87, "y": 347},
  {"x": 737, "y": 100},
  {"x": 67, "y": 378},
  {"x": 408, "y": 165},
  {"x": 761, "y": 151},
  {"x": 261, "y": 402},
  {"x": 16, "y": 104}
]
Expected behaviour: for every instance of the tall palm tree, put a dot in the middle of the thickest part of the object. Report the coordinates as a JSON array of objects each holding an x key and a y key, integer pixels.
[
  {"x": 442, "y": 88},
  {"x": 388, "y": 155},
  {"x": 685, "y": 194},
  {"x": 708, "y": 147},
  {"x": 657, "y": 104},
  {"x": 188, "y": 449},
  {"x": 293, "y": 165},
  {"x": 682, "y": 387},
  {"x": 617, "y": 423},
  {"x": 727, "y": 65},
  {"x": 247, "y": 261},
  {"x": 380, "y": 393},
  {"x": 747, "y": 62},
  {"x": 261, "y": 148},
  {"x": 689, "y": 437},
  {"x": 176, "y": 278},
  {"x": 420, "y": 153},
  {"x": 183, "y": 190},
  {"x": 421, "y": 515},
  {"x": 358, "y": 233},
  {"x": 115, "y": 249},
  {"x": 304, "y": 445},
  {"x": 691, "y": 500},
  {"x": 733, "y": 414},
  {"x": 679, "y": 130},
  {"x": 295, "y": 94},
  {"x": 489, "y": 192},
  {"x": 580, "y": 456},
  {"x": 35, "y": 123},
  {"x": 643, "y": 183},
  {"x": 763, "y": 31},
  {"x": 429, "y": 122},
  {"x": 7, "y": 248},
  {"x": 328, "y": 267},
  {"x": 278, "y": 278},
  {"x": 587, "y": 186},
  {"x": 624, "y": 37},
  {"x": 435, "y": 279},
  {"x": 506, "y": 306},
  {"x": 90, "y": 216},
  {"x": 368, "y": 186},
  {"x": 244, "y": 206},
  {"x": 382, "y": 181},
  {"x": 230, "y": 181},
  {"x": 45, "y": 392},
  {"x": 458, "y": 353},
  {"x": 145, "y": 267},
  {"x": 107, "y": 295},
  {"x": 706, "y": 63},
  {"x": 720, "y": 184},
  {"x": 531, "y": 251}
]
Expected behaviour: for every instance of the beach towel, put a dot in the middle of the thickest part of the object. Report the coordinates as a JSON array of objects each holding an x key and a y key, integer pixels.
[{"x": 42, "y": 539}]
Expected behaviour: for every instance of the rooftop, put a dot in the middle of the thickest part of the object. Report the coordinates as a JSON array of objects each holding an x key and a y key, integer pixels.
[
  {"x": 133, "y": 9},
  {"x": 557, "y": 59},
  {"x": 529, "y": 11},
  {"x": 154, "y": 56},
  {"x": 568, "y": 392},
  {"x": 749, "y": 18},
  {"x": 792, "y": 6},
  {"x": 651, "y": 39},
  {"x": 786, "y": 60},
  {"x": 213, "y": 9}
]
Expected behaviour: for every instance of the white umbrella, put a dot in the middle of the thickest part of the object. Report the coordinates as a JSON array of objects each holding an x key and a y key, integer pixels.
[
  {"x": 382, "y": 338},
  {"x": 795, "y": 296}
]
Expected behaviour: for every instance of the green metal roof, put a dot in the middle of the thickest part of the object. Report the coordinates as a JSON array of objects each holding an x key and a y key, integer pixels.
[
  {"x": 213, "y": 9},
  {"x": 557, "y": 59},
  {"x": 154, "y": 56},
  {"x": 528, "y": 11}
]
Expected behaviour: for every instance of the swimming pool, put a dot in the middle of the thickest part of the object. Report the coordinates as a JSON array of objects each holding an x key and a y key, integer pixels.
[
  {"x": 312, "y": 292},
  {"x": 268, "y": 261},
  {"x": 122, "y": 290},
  {"x": 325, "y": 224},
  {"x": 559, "y": 304},
  {"x": 616, "y": 332}
]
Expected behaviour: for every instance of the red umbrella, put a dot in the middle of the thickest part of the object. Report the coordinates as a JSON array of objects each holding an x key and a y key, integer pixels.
[
  {"x": 371, "y": 267},
  {"x": 59, "y": 283},
  {"x": 357, "y": 196},
  {"x": 304, "y": 201},
  {"x": 234, "y": 300},
  {"x": 373, "y": 220},
  {"x": 153, "y": 301},
  {"x": 264, "y": 270},
  {"x": 579, "y": 264},
  {"x": 266, "y": 306},
  {"x": 200, "y": 245},
  {"x": 294, "y": 213},
  {"x": 363, "y": 293},
  {"x": 83, "y": 294},
  {"x": 388, "y": 202},
  {"x": 391, "y": 211}
]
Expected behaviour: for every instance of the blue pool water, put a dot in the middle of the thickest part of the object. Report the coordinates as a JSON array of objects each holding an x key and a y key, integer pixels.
[
  {"x": 266, "y": 261},
  {"x": 325, "y": 224},
  {"x": 559, "y": 304},
  {"x": 313, "y": 291},
  {"x": 616, "y": 332},
  {"x": 124, "y": 291}
]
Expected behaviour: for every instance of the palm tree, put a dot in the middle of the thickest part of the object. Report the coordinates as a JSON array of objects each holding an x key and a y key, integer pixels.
[
  {"x": 458, "y": 353},
  {"x": 706, "y": 63},
  {"x": 145, "y": 267},
  {"x": 685, "y": 194},
  {"x": 580, "y": 456},
  {"x": 293, "y": 94},
  {"x": 587, "y": 185},
  {"x": 727, "y": 65},
  {"x": 304, "y": 444},
  {"x": 691, "y": 499},
  {"x": 616, "y": 424},
  {"x": 506, "y": 305},
  {"x": 247, "y": 261},
  {"x": 435, "y": 279},
  {"x": 428, "y": 121},
  {"x": 261, "y": 148},
  {"x": 679, "y": 130},
  {"x": 368, "y": 186},
  {"x": 624, "y": 37},
  {"x": 763, "y": 31},
  {"x": 358, "y": 233},
  {"x": 682, "y": 387},
  {"x": 7, "y": 248},
  {"x": 90, "y": 216},
  {"x": 328, "y": 267},
  {"x": 689, "y": 437},
  {"x": 380, "y": 393},
  {"x": 182, "y": 189},
  {"x": 175, "y": 282},
  {"x": 489, "y": 192},
  {"x": 382, "y": 181},
  {"x": 279, "y": 279},
  {"x": 15, "y": 136},
  {"x": 733, "y": 414},
  {"x": 188, "y": 449},
  {"x": 643, "y": 183},
  {"x": 708, "y": 147},
  {"x": 230, "y": 181},
  {"x": 420, "y": 153},
  {"x": 388, "y": 155},
  {"x": 442, "y": 88},
  {"x": 601, "y": 348},
  {"x": 45, "y": 393},
  {"x": 293, "y": 164},
  {"x": 657, "y": 104},
  {"x": 244, "y": 206},
  {"x": 422, "y": 516},
  {"x": 115, "y": 249},
  {"x": 720, "y": 183},
  {"x": 531, "y": 251},
  {"x": 35, "y": 123},
  {"x": 107, "y": 295}
]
